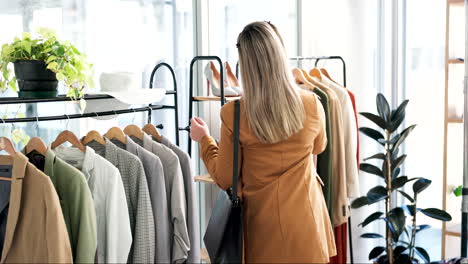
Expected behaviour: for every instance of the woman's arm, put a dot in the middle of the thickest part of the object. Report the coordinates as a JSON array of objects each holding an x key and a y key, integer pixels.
[{"x": 218, "y": 158}]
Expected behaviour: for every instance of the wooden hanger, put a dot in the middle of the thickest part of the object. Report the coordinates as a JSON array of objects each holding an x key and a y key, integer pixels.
[
  {"x": 116, "y": 133},
  {"x": 151, "y": 130},
  {"x": 93, "y": 135},
  {"x": 311, "y": 79},
  {"x": 301, "y": 79},
  {"x": 316, "y": 73},
  {"x": 133, "y": 130},
  {"x": 36, "y": 144},
  {"x": 6, "y": 145},
  {"x": 325, "y": 72},
  {"x": 68, "y": 136}
]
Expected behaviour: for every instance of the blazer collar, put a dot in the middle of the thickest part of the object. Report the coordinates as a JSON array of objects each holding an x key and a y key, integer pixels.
[{"x": 19, "y": 170}]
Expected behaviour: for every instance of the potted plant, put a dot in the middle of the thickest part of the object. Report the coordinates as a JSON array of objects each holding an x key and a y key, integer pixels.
[
  {"x": 39, "y": 63},
  {"x": 398, "y": 248}
]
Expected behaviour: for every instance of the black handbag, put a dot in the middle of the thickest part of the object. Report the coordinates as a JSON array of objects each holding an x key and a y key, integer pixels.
[{"x": 224, "y": 238}]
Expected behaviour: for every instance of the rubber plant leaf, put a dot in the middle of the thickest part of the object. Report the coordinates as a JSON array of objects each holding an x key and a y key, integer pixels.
[
  {"x": 383, "y": 108},
  {"x": 371, "y": 218},
  {"x": 437, "y": 214},
  {"x": 377, "y": 251},
  {"x": 376, "y": 119},
  {"x": 372, "y": 133}
]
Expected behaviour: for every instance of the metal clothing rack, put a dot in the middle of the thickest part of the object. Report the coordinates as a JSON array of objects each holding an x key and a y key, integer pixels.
[
  {"x": 317, "y": 59},
  {"x": 193, "y": 99},
  {"x": 149, "y": 108}
]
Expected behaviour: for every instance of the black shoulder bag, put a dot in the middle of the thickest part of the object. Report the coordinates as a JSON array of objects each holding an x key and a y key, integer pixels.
[{"x": 224, "y": 237}]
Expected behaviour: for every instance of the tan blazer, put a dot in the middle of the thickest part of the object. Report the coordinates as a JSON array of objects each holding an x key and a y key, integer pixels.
[
  {"x": 285, "y": 215},
  {"x": 36, "y": 231}
]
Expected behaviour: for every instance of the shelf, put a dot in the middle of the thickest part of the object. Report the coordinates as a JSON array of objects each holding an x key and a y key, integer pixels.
[
  {"x": 204, "y": 255},
  {"x": 213, "y": 98},
  {"x": 456, "y": 2},
  {"x": 455, "y": 120},
  {"x": 59, "y": 98},
  {"x": 456, "y": 61},
  {"x": 206, "y": 178},
  {"x": 453, "y": 230}
]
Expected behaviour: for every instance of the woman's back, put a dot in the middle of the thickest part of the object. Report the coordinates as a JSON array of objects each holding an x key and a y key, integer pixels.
[{"x": 285, "y": 216}]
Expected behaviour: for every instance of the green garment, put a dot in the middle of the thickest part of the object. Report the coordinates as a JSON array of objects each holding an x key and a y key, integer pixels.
[
  {"x": 77, "y": 206},
  {"x": 324, "y": 160}
]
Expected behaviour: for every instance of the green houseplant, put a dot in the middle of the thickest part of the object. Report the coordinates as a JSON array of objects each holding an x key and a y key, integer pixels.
[
  {"x": 39, "y": 63},
  {"x": 400, "y": 237}
]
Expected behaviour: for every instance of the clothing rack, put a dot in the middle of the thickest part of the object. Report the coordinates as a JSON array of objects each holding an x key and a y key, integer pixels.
[
  {"x": 149, "y": 108},
  {"x": 317, "y": 59},
  {"x": 196, "y": 99}
]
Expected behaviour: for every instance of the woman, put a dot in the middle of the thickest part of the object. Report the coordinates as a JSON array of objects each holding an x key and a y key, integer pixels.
[{"x": 281, "y": 127}]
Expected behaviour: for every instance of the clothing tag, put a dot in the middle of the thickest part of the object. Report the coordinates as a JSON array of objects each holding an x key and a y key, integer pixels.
[
  {"x": 344, "y": 210},
  {"x": 72, "y": 162}
]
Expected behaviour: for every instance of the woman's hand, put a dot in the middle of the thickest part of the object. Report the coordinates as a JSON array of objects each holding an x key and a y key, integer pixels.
[{"x": 198, "y": 129}]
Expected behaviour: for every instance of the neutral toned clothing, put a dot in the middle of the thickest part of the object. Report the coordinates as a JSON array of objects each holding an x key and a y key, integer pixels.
[
  {"x": 191, "y": 197},
  {"x": 36, "y": 230},
  {"x": 77, "y": 205},
  {"x": 285, "y": 215},
  {"x": 113, "y": 222},
  {"x": 353, "y": 101},
  {"x": 138, "y": 200},
  {"x": 175, "y": 192},
  {"x": 340, "y": 209},
  {"x": 156, "y": 184},
  {"x": 325, "y": 159},
  {"x": 350, "y": 137}
]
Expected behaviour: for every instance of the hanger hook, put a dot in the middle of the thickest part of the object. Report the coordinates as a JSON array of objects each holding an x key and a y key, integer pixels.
[
  {"x": 37, "y": 126},
  {"x": 96, "y": 114},
  {"x": 134, "y": 115},
  {"x": 68, "y": 121}
]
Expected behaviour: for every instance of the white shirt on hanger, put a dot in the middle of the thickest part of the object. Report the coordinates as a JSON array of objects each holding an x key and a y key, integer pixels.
[{"x": 114, "y": 235}]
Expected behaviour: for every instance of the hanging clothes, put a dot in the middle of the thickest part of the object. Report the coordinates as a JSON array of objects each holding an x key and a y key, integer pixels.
[
  {"x": 341, "y": 235},
  {"x": 190, "y": 194},
  {"x": 154, "y": 171},
  {"x": 350, "y": 137},
  {"x": 76, "y": 202},
  {"x": 138, "y": 200},
  {"x": 35, "y": 228},
  {"x": 113, "y": 222},
  {"x": 175, "y": 192},
  {"x": 340, "y": 209}
]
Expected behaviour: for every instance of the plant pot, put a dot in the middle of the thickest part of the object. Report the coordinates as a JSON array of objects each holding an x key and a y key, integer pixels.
[{"x": 35, "y": 80}]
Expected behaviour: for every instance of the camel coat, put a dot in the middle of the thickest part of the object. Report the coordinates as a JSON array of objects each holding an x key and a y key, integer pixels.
[
  {"x": 285, "y": 216},
  {"x": 35, "y": 231}
]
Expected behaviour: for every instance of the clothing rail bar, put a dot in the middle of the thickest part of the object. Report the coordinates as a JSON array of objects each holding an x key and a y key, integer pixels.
[{"x": 85, "y": 115}]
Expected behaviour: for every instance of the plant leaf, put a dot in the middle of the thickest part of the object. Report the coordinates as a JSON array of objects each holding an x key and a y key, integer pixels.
[
  {"x": 437, "y": 214},
  {"x": 403, "y": 135},
  {"x": 398, "y": 250},
  {"x": 383, "y": 108},
  {"x": 399, "y": 182},
  {"x": 407, "y": 196},
  {"x": 376, "y": 119},
  {"x": 376, "y": 194},
  {"x": 458, "y": 191},
  {"x": 423, "y": 254},
  {"x": 411, "y": 209},
  {"x": 371, "y": 235},
  {"x": 396, "y": 221},
  {"x": 371, "y": 218},
  {"x": 398, "y": 161},
  {"x": 377, "y": 251},
  {"x": 403, "y": 259},
  {"x": 397, "y": 116},
  {"x": 422, "y": 227},
  {"x": 420, "y": 185},
  {"x": 376, "y": 156},
  {"x": 396, "y": 173},
  {"x": 372, "y": 133},
  {"x": 369, "y": 168},
  {"x": 359, "y": 202}
]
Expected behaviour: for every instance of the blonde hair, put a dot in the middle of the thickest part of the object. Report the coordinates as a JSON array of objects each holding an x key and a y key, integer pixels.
[{"x": 273, "y": 106}]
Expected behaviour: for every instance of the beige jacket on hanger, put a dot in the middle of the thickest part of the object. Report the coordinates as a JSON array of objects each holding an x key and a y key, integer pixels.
[
  {"x": 36, "y": 231},
  {"x": 350, "y": 137},
  {"x": 340, "y": 209}
]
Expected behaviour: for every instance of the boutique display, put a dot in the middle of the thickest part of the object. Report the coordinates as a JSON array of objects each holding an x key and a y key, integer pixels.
[{"x": 121, "y": 197}]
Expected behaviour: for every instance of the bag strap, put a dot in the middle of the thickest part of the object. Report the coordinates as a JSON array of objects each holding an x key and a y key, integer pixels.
[{"x": 235, "y": 167}]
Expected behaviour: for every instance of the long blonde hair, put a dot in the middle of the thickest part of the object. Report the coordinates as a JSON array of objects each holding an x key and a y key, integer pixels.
[{"x": 273, "y": 106}]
